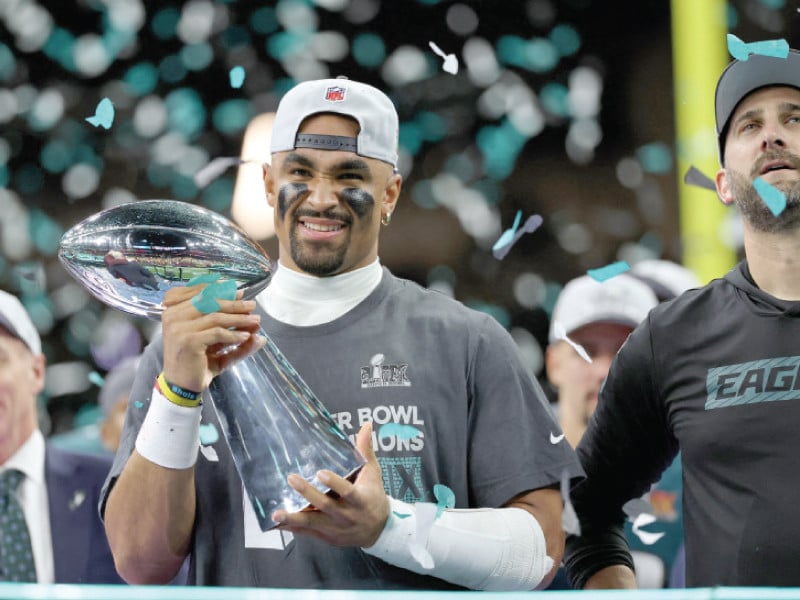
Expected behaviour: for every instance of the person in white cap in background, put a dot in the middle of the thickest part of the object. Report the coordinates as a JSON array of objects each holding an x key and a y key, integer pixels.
[
  {"x": 480, "y": 423},
  {"x": 660, "y": 563},
  {"x": 590, "y": 322},
  {"x": 50, "y": 531},
  {"x": 596, "y": 317}
]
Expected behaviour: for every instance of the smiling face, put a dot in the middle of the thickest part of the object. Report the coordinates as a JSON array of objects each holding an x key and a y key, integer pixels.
[
  {"x": 21, "y": 379},
  {"x": 763, "y": 140},
  {"x": 328, "y": 204}
]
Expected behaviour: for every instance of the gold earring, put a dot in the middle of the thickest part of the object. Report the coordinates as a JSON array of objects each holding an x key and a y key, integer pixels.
[{"x": 386, "y": 219}]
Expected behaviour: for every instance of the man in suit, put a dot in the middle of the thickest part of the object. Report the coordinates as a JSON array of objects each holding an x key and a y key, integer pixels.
[{"x": 50, "y": 530}]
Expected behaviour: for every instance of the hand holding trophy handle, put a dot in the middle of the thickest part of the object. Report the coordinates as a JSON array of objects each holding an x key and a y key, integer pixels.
[
  {"x": 198, "y": 347},
  {"x": 139, "y": 258}
]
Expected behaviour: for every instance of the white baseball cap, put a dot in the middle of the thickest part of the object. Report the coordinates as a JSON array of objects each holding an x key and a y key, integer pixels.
[
  {"x": 14, "y": 317},
  {"x": 621, "y": 299},
  {"x": 666, "y": 278},
  {"x": 374, "y": 111}
]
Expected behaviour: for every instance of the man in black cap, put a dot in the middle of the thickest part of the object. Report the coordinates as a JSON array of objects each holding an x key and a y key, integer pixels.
[{"x": 715, "y": 374}]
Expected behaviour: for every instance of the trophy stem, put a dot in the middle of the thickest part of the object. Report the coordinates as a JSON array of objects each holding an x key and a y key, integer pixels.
[{"x": 275, "y": 425}]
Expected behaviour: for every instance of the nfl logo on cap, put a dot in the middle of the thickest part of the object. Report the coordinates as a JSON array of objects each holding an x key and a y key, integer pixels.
[{"x": 334, "y": 94}]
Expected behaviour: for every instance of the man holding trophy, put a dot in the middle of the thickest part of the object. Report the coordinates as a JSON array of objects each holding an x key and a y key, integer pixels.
[{"x": 460, "y": 488}]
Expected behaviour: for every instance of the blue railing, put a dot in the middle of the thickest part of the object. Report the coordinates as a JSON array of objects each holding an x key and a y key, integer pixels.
[{"x": 29, "y": 591}]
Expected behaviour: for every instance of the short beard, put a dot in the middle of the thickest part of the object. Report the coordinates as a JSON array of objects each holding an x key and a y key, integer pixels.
[
  {"x": 324, "y": 266},
  {"x": 756, "y": 212}
]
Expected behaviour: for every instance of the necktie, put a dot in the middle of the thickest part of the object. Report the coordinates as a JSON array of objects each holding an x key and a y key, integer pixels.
[{"x": 16, "y": 555}]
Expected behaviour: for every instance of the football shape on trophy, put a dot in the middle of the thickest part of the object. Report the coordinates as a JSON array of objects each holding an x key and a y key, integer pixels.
[{"x": 130, "y": 255}]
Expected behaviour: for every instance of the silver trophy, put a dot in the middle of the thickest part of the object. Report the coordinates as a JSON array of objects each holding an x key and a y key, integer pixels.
[{"x": 130, "y": 255}]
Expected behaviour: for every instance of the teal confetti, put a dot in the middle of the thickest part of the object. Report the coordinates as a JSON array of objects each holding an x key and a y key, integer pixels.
[
  {"x": 401, "y": 515},
  {"x": 208, "y": 434},
  {"x": 541, "y": 55},
  {"x": 566, "y": 39},
  {"x": 742, "y": 51},
  {"x": 403, "y": 432},
  {"x": 236, "y": 76},
  {"x": 368, "y": 50},
  {"x": 260, "y": 508},
  {"x": 532, "y": 223},
  {"x": 8, "y": 63},
  {"x": 196, "y": 57},
  {"x": 500, "y": 147},
  {"x": 655, "y": 158},
  {"x": 772, "y": 197},
  {"x": 773, "y": 48},
  {"x": 205, "y": 305},
  {"x": 165, "y": 22},
  {"x": 609, "y": 271},
  {"x": 103, "y": 114},
  {"x": 235, "y": 37},
  {"x": 206, "y": 301},
  {"x": 138, "y": 404},
  {"x": 410, "y": 137},
  {"x": 264, "y": 21},
  {"x": 141, "y": 78},
  {"x": 737, "y": 48},
  {"x": 171, "y": 69},
  {"x": 232, "y": 116},
  {"x": 508, "y": 235},
  {"x": 45, "y": 232},
  {"x": 205, "y": 278},
  {"x": 96, "y": 379},
  {"x": 555, "y": 98},
  {"x": 186, "y": 111},
  {"x": 445, "y": 498}
]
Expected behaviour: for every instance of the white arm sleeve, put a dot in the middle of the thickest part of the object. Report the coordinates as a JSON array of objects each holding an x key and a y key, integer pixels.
[{"x": 496, "y": 549}]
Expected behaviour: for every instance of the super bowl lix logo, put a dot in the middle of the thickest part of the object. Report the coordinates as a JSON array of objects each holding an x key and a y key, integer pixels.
[{"x": 381, "y": 374}]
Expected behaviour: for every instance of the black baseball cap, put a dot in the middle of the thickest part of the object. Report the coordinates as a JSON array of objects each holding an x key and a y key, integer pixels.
[{"x": 743, "y": 77}]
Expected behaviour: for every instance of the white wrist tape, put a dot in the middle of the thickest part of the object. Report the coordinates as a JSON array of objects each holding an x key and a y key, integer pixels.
[
  {"x": 496, "y": 549},
  {"x": 170, "y": 434}
]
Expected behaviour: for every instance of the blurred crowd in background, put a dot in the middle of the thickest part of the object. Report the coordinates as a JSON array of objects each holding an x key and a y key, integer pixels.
[{"x": 561, "y": 108}]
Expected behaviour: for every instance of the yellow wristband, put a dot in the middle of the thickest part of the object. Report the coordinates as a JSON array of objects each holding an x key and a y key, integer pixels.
[{"x": 178, "y": 395}]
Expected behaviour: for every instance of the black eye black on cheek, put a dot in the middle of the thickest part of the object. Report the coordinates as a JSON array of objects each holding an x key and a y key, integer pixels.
[
  {"x": 361, "y": 201},
  {"x": 288, "y": 195}
]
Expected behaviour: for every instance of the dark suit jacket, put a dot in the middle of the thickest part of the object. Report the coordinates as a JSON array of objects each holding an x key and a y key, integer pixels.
[{"x": 80, "y": 548}]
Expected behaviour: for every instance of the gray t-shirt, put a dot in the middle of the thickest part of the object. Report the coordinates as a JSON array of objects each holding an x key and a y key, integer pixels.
[{"x": 405, "y": 355}]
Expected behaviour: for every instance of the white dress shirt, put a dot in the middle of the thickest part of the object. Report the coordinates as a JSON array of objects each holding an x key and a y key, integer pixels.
[
  {"x": 300, "y": 299},
  {"x": 32, "y": 496}
]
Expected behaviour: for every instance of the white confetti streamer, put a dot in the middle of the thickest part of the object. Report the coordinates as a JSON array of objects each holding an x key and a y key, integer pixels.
[
  {"x": 648, "y": 538},
  {"x": 450, "y": 61},
  {"x": 561, "y": 334}
]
